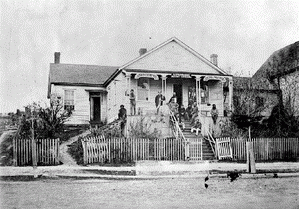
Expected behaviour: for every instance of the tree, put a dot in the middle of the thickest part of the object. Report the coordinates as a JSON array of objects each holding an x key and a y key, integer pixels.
[{"x": 47, "y": 122}]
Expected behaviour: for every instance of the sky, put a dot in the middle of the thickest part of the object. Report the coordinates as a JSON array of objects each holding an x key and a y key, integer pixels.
[{"x": 243, "y": 34}]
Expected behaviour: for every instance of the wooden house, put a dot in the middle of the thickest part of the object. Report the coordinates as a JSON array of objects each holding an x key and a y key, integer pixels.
[{"x": 95, "y": 93}]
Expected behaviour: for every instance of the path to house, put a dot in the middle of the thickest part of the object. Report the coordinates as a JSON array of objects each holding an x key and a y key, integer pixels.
[
  {"x": 65, "y": 157},
  {"x": 6, "y": 134}
]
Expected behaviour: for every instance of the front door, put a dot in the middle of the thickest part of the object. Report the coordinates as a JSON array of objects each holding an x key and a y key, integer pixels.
[
  {"x": 97, "y": 108},
  {"x": 177, "y": 88}
]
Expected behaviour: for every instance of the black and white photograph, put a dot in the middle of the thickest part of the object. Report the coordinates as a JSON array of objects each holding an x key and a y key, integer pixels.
[{"x": 149, "y": 104}]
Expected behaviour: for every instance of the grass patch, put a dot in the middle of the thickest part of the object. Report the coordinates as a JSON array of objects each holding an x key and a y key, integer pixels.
[{"x": 76, "y": 151}]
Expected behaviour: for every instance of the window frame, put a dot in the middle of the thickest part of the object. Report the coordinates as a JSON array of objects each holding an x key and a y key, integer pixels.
[
  {"x": 70, "y": 106},
  {"x": 259, "y": 101},
  {"x": 138, "y": 90}
]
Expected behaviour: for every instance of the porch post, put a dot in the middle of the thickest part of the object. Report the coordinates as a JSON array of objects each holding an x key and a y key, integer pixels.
[
  {"x": 230, "y": 91},
  {"x": 198, "y": 97},
  {"x": 128, "y": 82},
  {"x": 128, "y": 89},
  {"x": 164, "y": 85}
]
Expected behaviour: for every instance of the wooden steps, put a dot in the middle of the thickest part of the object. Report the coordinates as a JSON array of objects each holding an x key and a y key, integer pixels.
[{"x": 207, "y": 153}]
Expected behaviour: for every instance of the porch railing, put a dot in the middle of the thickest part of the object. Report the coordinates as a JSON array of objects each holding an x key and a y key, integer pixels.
[
  {"x": 209, "y": 137},
  {"x": 178, "y": 133}
]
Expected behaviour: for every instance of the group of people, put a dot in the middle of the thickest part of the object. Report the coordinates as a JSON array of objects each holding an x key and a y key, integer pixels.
[{"x": 188, "y": 114}]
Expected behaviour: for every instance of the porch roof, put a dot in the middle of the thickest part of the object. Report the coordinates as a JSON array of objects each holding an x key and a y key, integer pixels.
[{"x": 169, "y": 72}]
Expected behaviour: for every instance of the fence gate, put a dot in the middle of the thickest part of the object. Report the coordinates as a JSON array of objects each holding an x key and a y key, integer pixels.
[
  {"x": 195, "y": 149},
  {"x": 223, "y": 147}
]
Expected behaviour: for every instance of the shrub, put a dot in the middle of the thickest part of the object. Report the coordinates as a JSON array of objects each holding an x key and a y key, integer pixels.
[{"x": 142, "y": 129}]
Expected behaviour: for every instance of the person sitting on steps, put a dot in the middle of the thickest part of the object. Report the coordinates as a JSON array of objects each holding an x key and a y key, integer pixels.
[
  {"x": 196, "y": 127},
  {"x": 194, "y": 113}
]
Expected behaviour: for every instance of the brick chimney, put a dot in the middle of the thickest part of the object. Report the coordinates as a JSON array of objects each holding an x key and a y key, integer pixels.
[
  {"x": 142, "y": 51},
  {"x": 214, "y": 59},
  {"x": 57, "y": 57}
]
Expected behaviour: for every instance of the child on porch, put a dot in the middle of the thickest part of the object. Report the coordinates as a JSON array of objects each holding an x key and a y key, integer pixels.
[{"x": 196, "y": 127}]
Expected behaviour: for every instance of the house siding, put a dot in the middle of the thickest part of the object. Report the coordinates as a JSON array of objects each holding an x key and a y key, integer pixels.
[
  {"x": 81, "y": 113},
  {"x": 270, "y": 99},
  {"x": 116, "y": 96}
]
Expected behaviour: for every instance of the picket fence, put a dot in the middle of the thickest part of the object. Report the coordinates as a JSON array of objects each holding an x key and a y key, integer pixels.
[
  {"x": 121, "y": 150},
  {"x": 265, "y": 149},
  {"x": 47, "y": 152}
]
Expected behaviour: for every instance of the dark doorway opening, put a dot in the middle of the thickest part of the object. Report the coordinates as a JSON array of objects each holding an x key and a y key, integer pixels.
[
  {"x": 177, "y": 88},
  {"x": 96, "y": 108}
]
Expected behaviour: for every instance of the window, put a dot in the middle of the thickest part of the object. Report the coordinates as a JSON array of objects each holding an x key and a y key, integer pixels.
[
  {"x": 69, "y": 100},
  {"x": 259, "y": 102},
  {"x": 143, "y": 89},
  {"x": 204, "y": 91}
]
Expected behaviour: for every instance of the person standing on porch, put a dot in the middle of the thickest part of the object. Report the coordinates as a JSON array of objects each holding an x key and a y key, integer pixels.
[
  {"x": 159, "y": 101},
  {"x": 214, "y": 113},
  {"x": 132, "y": 102},
  {"x": 174, "y": 97}
]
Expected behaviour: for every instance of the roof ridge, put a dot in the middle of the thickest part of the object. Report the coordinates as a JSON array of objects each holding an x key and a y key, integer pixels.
[{"x": 83, "y": 64}]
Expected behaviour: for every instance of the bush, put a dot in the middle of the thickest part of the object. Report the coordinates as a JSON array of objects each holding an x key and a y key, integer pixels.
[
  {"x": 47, "y": 122},
  {"x": 142, "y": 129}
]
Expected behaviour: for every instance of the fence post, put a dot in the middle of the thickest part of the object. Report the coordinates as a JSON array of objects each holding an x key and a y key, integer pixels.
[
  {"x": 14, "y": 151},
  {"x": 187, "y": 147},
  {"x": 84, "y": 143},
  {"x": 250, "y": 158}
]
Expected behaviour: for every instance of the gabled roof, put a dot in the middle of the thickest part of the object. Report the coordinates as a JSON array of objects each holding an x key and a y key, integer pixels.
[
  {"x": 179, "y": 42},
  {"x": 73, "y": 74}
]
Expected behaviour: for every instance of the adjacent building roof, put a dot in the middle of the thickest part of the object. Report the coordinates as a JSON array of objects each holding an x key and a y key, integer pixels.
[
  {"x": 73, "y": 74},
  {"x": 251, "y": 83},
  {"x": 281, "y": 62}
]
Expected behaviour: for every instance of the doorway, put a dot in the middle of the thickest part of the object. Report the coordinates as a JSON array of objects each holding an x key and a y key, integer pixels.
[
  {"x": 96, "y": 108},
  {"x": 177, "y": 88}
]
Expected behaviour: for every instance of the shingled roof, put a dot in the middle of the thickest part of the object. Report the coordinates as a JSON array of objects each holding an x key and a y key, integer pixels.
[{"x": 73, "y": 74}]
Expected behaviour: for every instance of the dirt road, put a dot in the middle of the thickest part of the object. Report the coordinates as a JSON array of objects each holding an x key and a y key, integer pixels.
[{"x": 164, "y": 193}]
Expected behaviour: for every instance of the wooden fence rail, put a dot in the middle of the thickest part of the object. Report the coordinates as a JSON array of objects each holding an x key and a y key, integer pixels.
[
  {"x": 119, "y": 150},
  {"x": 266, "y": 149},
  {"x": 47, "y": 151}
]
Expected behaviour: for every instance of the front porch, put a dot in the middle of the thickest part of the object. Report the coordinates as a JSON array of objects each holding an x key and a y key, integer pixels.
[{"x": 204, "y": 90}]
